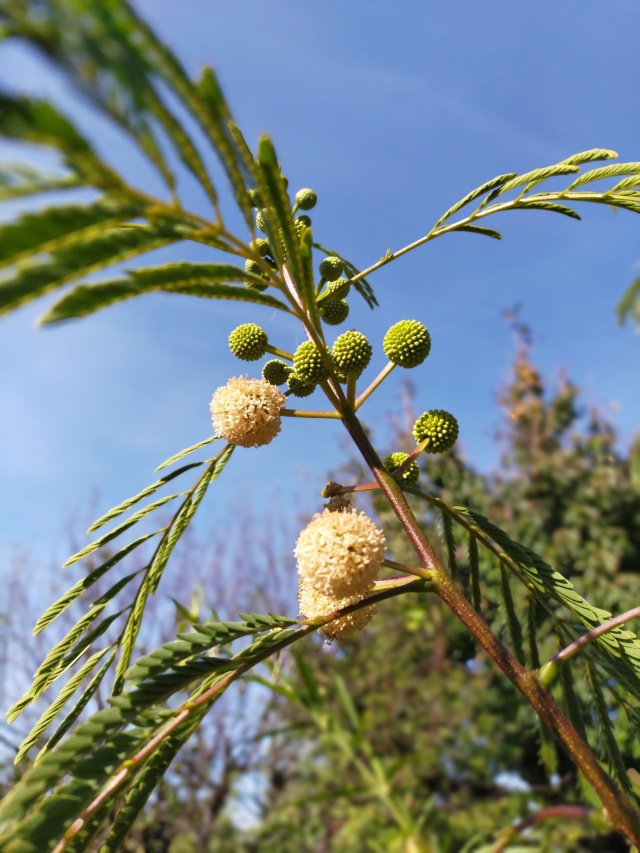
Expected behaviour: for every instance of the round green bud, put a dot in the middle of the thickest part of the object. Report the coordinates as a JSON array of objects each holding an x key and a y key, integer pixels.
[
  {"x": 352, "y": 352},
  {"x": 276, "y": 372},
  {"x": 395, "y": 461},
  {"x": 308, "y": 364},
  {"x": 298, "y": 387},
  {"x": 261, "y": 220},
  {"x": 440, "y": 427},
  {"x": 330, "y": 268},
  {"x": 306, "y": 199},
  {"x": 300, "y": 223},
  {"x": 261, "y": 246},
  {"x": 334, "y": 313},
  {"x": 252, "y": 266},
  {"x": 407, "y": 343},
  {"x": 338, "y": 289},
  {"x": 254, "y": 197},
  {"x": 255, "y": 286},
  {"x": 248, "y": 342}
]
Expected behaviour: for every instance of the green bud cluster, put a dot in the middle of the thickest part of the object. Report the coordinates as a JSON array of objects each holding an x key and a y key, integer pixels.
[
  {"x": 407, "y": 344},
  {"x": 334, "y": 313},
  {"x": 308, "y": 364},
  {"x": 440, "y": 427},
  {"x": 330, "y": 268},
  {"x": 306, "y": 199},
  {"x": 261, "y": 219},
  {"x": 276, "y": 372},
  {"x": 351, "y": 352},
  {"x": 248, "y": 342},
  {"x": 395, "y": 460},
  {"x": 338, "y": 289},
  {"x": 298, "y": 387}
]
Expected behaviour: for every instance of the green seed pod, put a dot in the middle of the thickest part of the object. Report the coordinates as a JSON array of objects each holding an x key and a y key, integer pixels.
[
  {"x": 338, "y": 289},
  {"x": 248, "y": 342},
  {"x": 308, "y": 364},
  {"x": 298, "y": 387},
  {"x": 440, "y": 427},
  {"x": 395, "y": 460},
  {"x": 261, "y": 246},
  {"x": 330, "y": 268},
  {"x": 407, "y": 343},
  {"x": 352, "y": 352},
  {"x": 276, "y": 372},
  {"x": 334, "y": 313},
  {"x": 306, "y": 199}
]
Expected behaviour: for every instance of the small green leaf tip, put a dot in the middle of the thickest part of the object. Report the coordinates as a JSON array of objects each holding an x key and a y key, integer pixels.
[
  {"x": 276, "y": 372},
  {"x": 338, "y": 289},
  {"x": 352, "y": 352},
  {"x": 334, "y": 313},
  {"x": 407, "y": 344},
  {"x": 298, "y": 387},
  {"x": 248, "y": 342},
  {"x": 330, "y": 268},
  {"x": 395, "y": 460},
  {"x": 440, "y": 427},
  {"x": 306, "y": 199},
  {"x": 308, "y": 364}
]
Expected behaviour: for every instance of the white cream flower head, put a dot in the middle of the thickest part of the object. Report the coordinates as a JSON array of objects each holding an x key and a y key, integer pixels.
[
  {"x": 340, "y": 553},
  {"x": 314, "y": 604},
  {"x": 246, "y": 411}
]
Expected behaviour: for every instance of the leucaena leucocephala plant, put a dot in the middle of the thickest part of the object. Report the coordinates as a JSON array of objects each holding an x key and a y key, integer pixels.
[{"x": 92, "y": 776}]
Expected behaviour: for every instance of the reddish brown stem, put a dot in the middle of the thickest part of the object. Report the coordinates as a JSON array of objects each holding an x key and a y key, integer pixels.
[{"x": 620, "y": 812}]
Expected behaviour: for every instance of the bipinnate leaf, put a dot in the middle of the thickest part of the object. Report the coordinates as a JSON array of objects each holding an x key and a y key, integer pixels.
[
  {"x": 59, "y": 606},
  {"x": 109, "y": 246},
  {"x": 61, "y": 700},
  {"x": 54, "y": 228},
  {"x": 186, "y": 452},
  {"x": 149, "y": 490},
  {"x": 619, "y": 649},
  {"x": 86, "y": 299},
  {"x": 483, "y": 189}
]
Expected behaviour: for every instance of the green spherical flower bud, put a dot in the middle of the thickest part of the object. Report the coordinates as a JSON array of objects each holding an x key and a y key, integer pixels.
[
  {"x": 330, "y": 268},
  {"x": 261, "y": 246},
  {"x": 334, "y": 313},
  {"x": 440, "y": 427},
  {"x": 395, "y": 461},
  {"x": 300, "y": 223},
  {"x": 261, "y": 220},
  {"x": 254, "y": 197},
  {"x": 276, "y": 372},
  {"x": 308, "y": 364},
  {"x": 352, "y": 352},
  {"x": 338, "y": 289},
  {"x": 407, "y": 343},
  {"x": 252, "y": 266},
  {"x": 306, "y": 199},
  {"x": 255, "y": 286},
  {"x": 298, "y": 387},
  {"x": 248, "y": 342}
]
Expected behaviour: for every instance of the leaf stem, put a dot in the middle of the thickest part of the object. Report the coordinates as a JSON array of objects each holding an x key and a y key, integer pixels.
[{"x": 593, "y": 634}]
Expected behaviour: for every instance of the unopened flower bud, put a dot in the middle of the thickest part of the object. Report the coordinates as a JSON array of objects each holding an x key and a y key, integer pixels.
[
  {"x": 276, "y": 372},
  {"x": 308, "y": 363},
  {"x": 407, "y": 344},
  {"x": 330, "y": 268},
  {"x": 395, "y": 460},
  {"x": 248, "y": 342},
  {"x": 334, "y": 313},
  {"x": 440, "y": 427},
  {"x": 306, "y": 199},
  {"x": 352, "y": 352},
  {"x": 298, "y": 387}
]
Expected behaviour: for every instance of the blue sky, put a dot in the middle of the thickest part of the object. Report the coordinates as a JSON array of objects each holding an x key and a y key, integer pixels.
[{"x": 390, "y": 112}]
